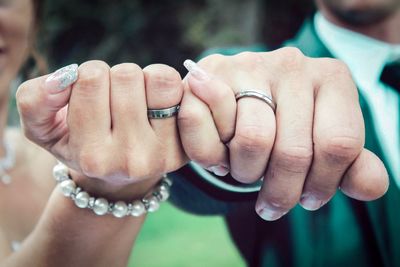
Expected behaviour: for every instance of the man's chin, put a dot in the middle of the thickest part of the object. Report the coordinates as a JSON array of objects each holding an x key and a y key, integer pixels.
[
  {"x": 361, "y": 12},
  {"x": 363, "y": 17}
]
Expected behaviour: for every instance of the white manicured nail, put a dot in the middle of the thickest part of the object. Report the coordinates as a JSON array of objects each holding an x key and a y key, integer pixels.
[
  {"x": 194, "y": 69},
  {"x": 62, "y": 78}
]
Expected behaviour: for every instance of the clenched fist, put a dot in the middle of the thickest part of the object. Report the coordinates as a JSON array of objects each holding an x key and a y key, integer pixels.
[{"x": 94, "y": 119}]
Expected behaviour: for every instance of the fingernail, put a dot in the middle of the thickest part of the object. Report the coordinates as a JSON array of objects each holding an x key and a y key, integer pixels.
[
  {"x": 194, "y": 69},
  {"x": 62, "y": 78},
  {"x": 269, "y": 214},
  {"x": 310, "y": 202},
  {"x": 219, "y": 170}
]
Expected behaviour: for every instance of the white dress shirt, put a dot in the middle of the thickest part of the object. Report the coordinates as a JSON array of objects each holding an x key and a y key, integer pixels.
[{"x": 366, "y": 58}]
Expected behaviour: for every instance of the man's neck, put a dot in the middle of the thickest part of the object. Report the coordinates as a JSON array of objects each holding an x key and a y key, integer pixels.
[{"x": 386, "y": 30}]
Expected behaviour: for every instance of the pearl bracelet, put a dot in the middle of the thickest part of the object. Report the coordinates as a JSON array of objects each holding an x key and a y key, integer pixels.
[{"x": 101, "y": 206}]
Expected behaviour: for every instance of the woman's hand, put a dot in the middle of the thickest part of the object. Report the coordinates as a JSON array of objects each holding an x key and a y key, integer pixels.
[
  {"x": 94, "y": 119},
  {"x": 312, "y": 145}
]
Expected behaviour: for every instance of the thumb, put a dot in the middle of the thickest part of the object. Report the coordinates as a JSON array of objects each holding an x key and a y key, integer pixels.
[
  {"x": 366, "y": 179},
  {"x": 42, "y": 104}
]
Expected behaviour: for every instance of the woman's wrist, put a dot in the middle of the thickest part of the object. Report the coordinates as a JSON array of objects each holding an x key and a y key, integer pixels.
[
  {"x": 111, "y": 191},
  {"x": 148, "y": 200},
  {"x": 69, "y": 236}
]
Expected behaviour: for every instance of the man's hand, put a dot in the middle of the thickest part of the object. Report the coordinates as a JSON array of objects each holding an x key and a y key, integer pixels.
[
  {"x": 99, "y": 127},
  {"x": 311, "y": 146}
]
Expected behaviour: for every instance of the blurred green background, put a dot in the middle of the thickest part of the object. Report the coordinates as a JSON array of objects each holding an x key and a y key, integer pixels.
[
  {"x": 169, "y": 31},
  {"x": 173, "y": 238}
]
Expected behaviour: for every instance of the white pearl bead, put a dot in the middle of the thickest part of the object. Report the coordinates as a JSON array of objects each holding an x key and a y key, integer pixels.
[
  {"x": 68, "y": 187},
  {"x": 153, "y": 204},
  {"x": 120, "y": 209},
  {"x": 82, "y": 200},
  {"x": 100, "y": 206},
  {"x": 163, "y": 191},
  {"x": 167, "y": 180},
  {"x": 60, "y": 172},
  {"x": 138, "y": 208}
]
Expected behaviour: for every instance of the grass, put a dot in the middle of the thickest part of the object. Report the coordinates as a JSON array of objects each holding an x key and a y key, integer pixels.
[{"x": 172, "y": 238}]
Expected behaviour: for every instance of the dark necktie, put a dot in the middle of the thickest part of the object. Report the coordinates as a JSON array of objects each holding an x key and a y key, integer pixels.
[{"x": 391, "y": 75}]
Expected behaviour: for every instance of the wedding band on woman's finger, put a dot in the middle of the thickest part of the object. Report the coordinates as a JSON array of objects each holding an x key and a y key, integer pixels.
[
  {"x": 257, "y": 94},
  {"x": 163, "y": 113}
]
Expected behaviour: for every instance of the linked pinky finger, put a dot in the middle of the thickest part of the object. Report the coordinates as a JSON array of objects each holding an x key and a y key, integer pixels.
[
  {"x": 199, "y": 135},
  {"x": 217, "y": 95}
]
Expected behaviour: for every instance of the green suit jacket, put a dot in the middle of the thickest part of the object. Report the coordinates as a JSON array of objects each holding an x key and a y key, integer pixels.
[{"x": 344, "y": 232}]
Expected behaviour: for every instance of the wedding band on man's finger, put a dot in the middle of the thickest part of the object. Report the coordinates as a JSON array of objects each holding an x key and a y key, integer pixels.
[
  {"x": 257, "y": 94},
  {"x": 163, "y": 113}
]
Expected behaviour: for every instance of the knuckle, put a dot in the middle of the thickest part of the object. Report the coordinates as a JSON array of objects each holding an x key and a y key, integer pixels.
[
  {"x": 252, "y": 57},
  {"x": 291, "y": 58},
  {"x": 92, "y": 164},
  {"x": 24, "y": 101},
  {"x": 92, "y": 74},
  {"x": 332, "y": 68},
  {"x": 126, "y": 72},
  {"x": 212, "y": 61},
  {"x": 161, "y": 74},
  {"x": 291, "y": 52},
  {"x": 163, "y": 81},
  {"x": 339, "y": 67},
  {"x": 296, "y": 159},
  {"x": 341, "y": 148},
  {"x": 252, "y": 61},
  {"x": 253, "y": 139}
]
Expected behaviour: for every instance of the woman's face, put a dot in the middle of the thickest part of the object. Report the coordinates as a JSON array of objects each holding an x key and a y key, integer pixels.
[{"x": 16, "y": 30}]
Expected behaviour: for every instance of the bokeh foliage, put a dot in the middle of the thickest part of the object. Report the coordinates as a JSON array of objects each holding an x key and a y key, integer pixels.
[
  {"x": 142, "y": 31},
  {"x": 167, "y": 31}
]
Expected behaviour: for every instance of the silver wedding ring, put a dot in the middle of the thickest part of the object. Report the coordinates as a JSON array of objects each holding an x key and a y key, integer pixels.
[
  {"x": 163, "y": 113},
  {"x": 258, "y": 95}
]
